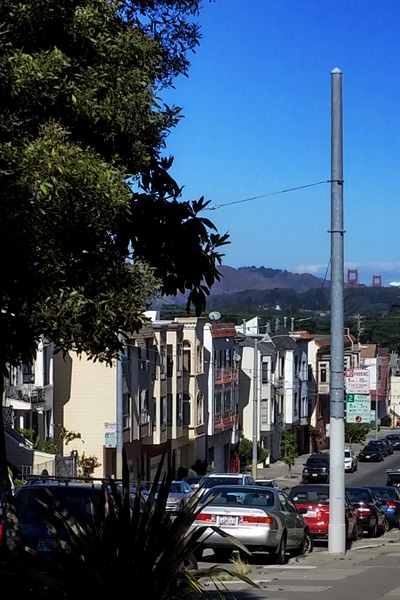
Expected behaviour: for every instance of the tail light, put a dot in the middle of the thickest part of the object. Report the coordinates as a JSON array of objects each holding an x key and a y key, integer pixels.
[
  {"x": 364, "y": 510},
  {"x": 390, "y": 504},
  {"x": 319, "y": 515},
  {"x": 251, "y": 520},
  {"x": 204, "y": 518}
]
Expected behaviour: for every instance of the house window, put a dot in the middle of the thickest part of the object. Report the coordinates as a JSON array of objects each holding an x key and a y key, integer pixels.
[
  {"x": 179, "y": 408},
  {"x": 296, "y": 365},
  {"x": 187, "y": 351},
  {"x": 126, "y": 411},
  {"x": 281, "y": 366},
  {"x": 46, "y": 365},
  {"x": 227, "y": 401},
  {"x": 144, "y": 407},
  {"x": 264, "y": 372},
  {"x": 217, "y": 403},
  {"x": 296, "y": 405},
  {"x": 164, "y": 414},
  {"x": 199, "y": 355},
  {"x": 170, "y": 360},
  {"x": 200, "y": 400},
  {"x": 163, "y": 358},
  {"x": 264, "y": 412},
  {"x": 323, "y": 373},
  {"x": 179, "y": 358},
  {"x": 169, "y": 410},
  {"x": 28, "y": 375},
  {"x": 186, "y": 409}
]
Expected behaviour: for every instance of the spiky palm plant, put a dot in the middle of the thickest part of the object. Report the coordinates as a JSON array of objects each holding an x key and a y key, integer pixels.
[{"x": 130, "y": 544}]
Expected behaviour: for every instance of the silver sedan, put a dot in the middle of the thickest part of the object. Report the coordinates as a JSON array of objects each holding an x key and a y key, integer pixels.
[{"x": 260, "y": 518}]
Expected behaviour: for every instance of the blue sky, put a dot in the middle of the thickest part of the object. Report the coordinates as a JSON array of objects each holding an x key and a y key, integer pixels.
[{"x": 257, "y": 120}]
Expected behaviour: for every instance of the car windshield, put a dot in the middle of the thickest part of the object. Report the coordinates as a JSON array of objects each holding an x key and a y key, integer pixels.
[
  {"x": 372, "y": 446},
  {"x": 77, "y": 501},
  {"x": 393, "y": 436},
  {"x": 210, "y": 482},
  {"x": 358, "y": 495},
  {"x": 309, "y": 496},
  {"x": 233, "y": 496}
]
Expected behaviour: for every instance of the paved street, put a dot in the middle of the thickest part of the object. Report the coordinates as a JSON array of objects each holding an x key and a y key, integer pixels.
[{"x": 369, "y": 571}]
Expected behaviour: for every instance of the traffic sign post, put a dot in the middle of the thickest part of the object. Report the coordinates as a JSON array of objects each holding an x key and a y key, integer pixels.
[{"x": 358, "y": 408}]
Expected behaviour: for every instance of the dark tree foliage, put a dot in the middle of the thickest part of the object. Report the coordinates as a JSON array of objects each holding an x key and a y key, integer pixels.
[{"x": 92, "y": 226}]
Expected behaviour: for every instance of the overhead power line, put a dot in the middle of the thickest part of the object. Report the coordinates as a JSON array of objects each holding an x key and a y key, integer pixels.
[{"x": 300, "y": 187}]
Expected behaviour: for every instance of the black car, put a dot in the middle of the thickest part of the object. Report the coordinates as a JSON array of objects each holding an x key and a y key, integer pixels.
[
  {"x": 388, "y": 445},
  {"x": 394, "y": 439},
  {"x": 34, "y": 503},
  {"x": 316, "y": 469},
  {"x": 370, "y": 512},
  {"x": 372, "y": 452}
]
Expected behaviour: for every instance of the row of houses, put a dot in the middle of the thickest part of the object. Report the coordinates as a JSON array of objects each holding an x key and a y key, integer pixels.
[{"x": 187, "y": 388}]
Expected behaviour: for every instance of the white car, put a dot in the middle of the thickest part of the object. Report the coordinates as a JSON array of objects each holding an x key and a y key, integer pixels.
[
  {"x": 210, "y": 481},
  {"x": 350, "y": 461}
]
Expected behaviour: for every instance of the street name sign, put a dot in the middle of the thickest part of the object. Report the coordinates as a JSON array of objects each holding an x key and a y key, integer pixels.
[{"x": 358, "y": 408}]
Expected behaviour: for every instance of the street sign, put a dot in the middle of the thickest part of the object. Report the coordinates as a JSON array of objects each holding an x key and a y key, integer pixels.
[
  {"x": 358, "y": 408},
  {"x": 357, "y": 381},
  {"x": 110, "y": 435}
]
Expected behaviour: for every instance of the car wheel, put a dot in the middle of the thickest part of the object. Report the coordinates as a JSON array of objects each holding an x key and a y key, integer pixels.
[
  {"x": 222, "y": 554},
  {"x": 360, "y": 531},
  {"x": 279, "y": 556},
  {"x": 307, "y": 544},
  {"x": 373, "y": 531},
  {"x": 385, "y": 526},
  {"x": 190, "y": 563}
]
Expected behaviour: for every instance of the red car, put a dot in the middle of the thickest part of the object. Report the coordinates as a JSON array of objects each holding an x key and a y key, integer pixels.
[{"x": 315, "y": 499}]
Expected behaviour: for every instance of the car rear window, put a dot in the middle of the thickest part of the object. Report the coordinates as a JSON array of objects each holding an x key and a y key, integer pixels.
[
  {"x": 234, "y": 497},
  {"x": 317, "y": 462},
  {"x": 358, "y": 495},
  {"x": 211, "y": 482},
  {"x": 309, "y": 496},
  {"x": 77, "y": 501},
  {"x": 347, "y": 454}
]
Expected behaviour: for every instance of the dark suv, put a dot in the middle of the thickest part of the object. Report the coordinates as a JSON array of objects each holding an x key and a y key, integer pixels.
[{"x": 316, "y": 468}]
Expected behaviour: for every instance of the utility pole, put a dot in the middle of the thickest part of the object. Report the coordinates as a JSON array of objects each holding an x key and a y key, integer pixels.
[
  {"x": 255, "y": 409},
  {"x": 337, "y": 529}
]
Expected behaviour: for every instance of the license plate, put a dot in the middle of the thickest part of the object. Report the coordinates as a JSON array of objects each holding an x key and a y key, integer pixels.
[
  {"x": 46, "y": 545},
  {"x": 227, "y": 521},
  {"x": 315, "y": 474},
  {"x": 310, "y": 513},
  {"x": 368, "y": 456}
]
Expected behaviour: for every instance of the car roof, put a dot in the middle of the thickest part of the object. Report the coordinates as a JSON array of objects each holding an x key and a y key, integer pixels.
[
  {"x": 255, "y": 488},
  {"x": 227, "y": 475},
  {"x": 311, "y": 487}
]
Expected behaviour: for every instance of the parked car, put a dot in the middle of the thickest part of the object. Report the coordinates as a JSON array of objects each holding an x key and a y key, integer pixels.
[
  {"x": 393, "y": 477},
  {"x": 263, "y": 519},
  {"x": 210, "y": 481},
  {"x": 389, "y": 446},
  {"x": 371, "y": 452},
  {"x": 267, "y": 483},
  {"x": 316, "y": 468},
  {"x": 77, "y": 498},
  {"x": 390, "y": 502},
  {"x": 314, "y": 500},
  {"x": 371, "y": 515},
  {"x": 394, "y": 439},
  {"x": 193, "y": 481},
  {"x": 179, "y": 494},
  {"x": 383, "y": 444},
  {"x": 350, "y": 460}
]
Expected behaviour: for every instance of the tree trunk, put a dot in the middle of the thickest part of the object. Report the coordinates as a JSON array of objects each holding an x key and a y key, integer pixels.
[{"x": 11, "y": 535}]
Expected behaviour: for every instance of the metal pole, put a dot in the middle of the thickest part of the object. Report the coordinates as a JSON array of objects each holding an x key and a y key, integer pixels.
[
  {"x": 337, "y": 530},
  {"x": 376, "y": 404},
  {"x": 255, "y": 410},
  {"x": 119, "y": 417}
]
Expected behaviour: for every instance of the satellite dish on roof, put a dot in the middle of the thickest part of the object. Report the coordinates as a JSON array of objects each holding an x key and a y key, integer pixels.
[{"x": 214, "y": 315}]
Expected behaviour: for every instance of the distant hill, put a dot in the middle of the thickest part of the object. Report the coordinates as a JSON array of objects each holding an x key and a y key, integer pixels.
[{"x": 262, "y": 278}]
